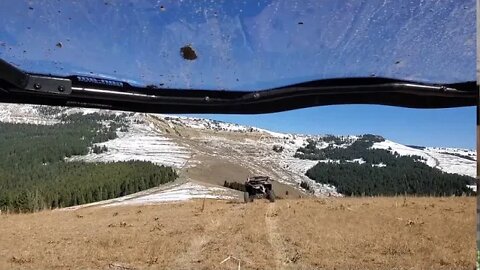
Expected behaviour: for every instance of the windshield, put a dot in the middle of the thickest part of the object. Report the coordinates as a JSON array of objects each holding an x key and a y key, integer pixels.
[{"x": 233, "y": 45}]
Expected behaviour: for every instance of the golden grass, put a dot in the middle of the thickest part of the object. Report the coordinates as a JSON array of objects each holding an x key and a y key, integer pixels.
[{"x": 348, "y": 233}]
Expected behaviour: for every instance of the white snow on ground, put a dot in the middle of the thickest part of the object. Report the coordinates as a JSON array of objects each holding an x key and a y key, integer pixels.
[
  {"x": 380, "y": 165},
  {"x": 183, "y": 192},
  {"x": 453, "y": 164},
  {"x": 142, "y": 142},
  {"x": 404, "y": 150},
  {"x": 297, "y": 169},
  {"x": 171, "y": 192},
  {"x": 207, "y": 124},
  {"x": 329, "y": 161},
  {"x": 440, "y": 158},
  {"x": 86, "y": 111},
  {"x": 291, "y": 170},
  {"x": 472, "y": 187},
  {"x": 24, "y": 114},
  {"x": 357, "y": 160}
]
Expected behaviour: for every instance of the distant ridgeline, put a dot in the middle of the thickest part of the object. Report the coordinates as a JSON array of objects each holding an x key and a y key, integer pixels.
[
  {"x": 382, "y": 173},
  {"x": 34, "y": 174}
]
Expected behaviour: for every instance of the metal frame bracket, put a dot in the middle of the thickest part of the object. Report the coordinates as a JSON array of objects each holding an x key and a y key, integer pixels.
[
  {"x": 43, "y": 84},
  {"x": 31, "y": 82}
]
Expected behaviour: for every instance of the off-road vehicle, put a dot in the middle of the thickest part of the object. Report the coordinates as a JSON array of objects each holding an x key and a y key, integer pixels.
[{"x": 258, "y": 187}]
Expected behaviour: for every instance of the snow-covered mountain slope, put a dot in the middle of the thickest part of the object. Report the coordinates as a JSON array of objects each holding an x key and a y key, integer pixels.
[
  {"x": 141, "y": 142},
  {"x": 212, "y": 151},
  {"x": 26, "y": 114},
  {"x": 464, "y": 164},
  {"x": 451, "y": 160},
  {"x": 214, "y": 125}
]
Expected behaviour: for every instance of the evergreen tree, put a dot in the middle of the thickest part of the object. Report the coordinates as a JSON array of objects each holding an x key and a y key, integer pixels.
[
  {"x": 398, "y": 175},
  {"x": 34, "y": 174}
]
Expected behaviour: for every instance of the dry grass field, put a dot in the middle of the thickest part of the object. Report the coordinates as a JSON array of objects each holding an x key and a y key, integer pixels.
[{"x": 342, "y": 233}]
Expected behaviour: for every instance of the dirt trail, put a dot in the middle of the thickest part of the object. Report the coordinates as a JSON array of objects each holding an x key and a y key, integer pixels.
[
  {"x": 225, "y": 156},
  {"x": 192, "y": 256},
  {"x": 274, "y": 237}
]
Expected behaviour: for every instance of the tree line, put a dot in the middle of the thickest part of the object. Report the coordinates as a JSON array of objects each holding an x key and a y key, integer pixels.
[
  {"x": 353, "y": 179},
  {"x": 34, "y": 174},
  {"x": 399, "y": 175},
  {"x": 235, "y": 185}
]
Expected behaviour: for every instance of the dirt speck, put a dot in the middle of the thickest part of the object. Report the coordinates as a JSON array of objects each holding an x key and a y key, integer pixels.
[
  {"x": 119, "y": 266},
  {"x": 188, "y": 53},
  {"x": 59, "y": 45},
  {"x": 20, "y": 260},
  {"x": 397, "y": 62},
  {"x": 162, "y": 8},
  {"x": 300, "y": 23},
  {"x": 153, "y": 86}
]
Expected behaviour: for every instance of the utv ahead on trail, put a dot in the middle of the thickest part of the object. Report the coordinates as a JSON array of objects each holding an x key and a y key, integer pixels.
[{"x": 258, "y": 187}]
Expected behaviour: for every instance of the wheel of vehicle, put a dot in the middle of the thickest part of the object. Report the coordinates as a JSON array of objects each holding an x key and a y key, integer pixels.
[
  {"x": 270, "y": 195},
  {"x": 246, "y": 197}
]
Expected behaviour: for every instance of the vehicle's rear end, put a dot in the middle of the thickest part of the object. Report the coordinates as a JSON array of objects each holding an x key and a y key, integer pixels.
[{"x": 259, "y": 187}]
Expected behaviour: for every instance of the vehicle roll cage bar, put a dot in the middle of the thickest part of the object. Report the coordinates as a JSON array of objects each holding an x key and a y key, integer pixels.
[{"x": 17, "y": 86}]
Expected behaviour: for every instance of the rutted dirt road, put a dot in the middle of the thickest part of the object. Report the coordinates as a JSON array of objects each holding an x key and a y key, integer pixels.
[{"x": 333, "y": 233}]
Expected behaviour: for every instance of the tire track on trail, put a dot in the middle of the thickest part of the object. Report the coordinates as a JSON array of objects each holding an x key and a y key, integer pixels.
[
  {"x": 274, "y": 237},
  {"x": 190, "y": 258},
  {"x": 204, "y": 248}
]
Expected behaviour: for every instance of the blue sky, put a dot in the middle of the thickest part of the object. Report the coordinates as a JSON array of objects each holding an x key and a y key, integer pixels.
[
  {"x": 438, "y": 127},
  {"x": 251, "y": 45}
]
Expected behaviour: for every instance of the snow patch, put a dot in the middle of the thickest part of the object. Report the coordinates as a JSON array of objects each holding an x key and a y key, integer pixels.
[
  {"x": 357, "y": 160},
  {"x": 207, "y": 124},
  {"x": 141, "y": 142},
  {"x": 441, "y": 158},
  {"x": 450, "y": 163},
  {"x": 24, "y": 114},
  {"x": 183, "y": 192},
  {"x": 379, "y": 165},
  {"x": 472, "y": 187},
  {"x": 404, "y": 150}
]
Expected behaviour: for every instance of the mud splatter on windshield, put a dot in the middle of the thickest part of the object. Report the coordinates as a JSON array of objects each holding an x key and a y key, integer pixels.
[
  {"x": 188, "y": 53},
  {"x": 246, "y": 45}
]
